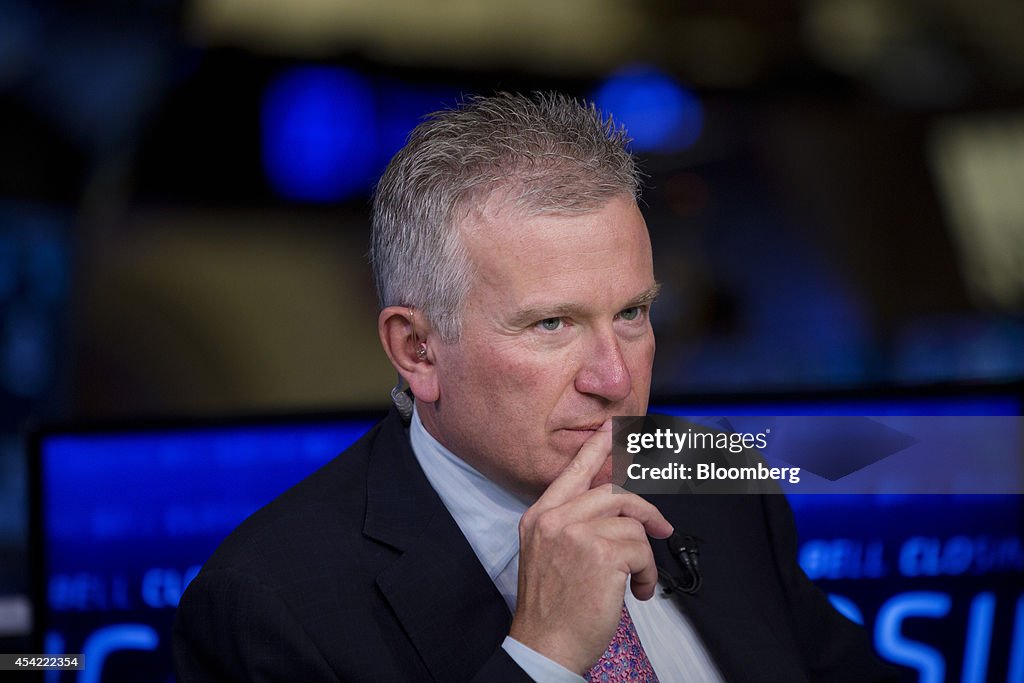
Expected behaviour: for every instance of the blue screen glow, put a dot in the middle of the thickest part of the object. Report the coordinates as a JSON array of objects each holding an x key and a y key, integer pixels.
[
  {"x": 328, "y": 132},
  {"x": 659, "y": 113},
  {"x": 319, "y": 135},
  {"x": 131, "y": 516}
]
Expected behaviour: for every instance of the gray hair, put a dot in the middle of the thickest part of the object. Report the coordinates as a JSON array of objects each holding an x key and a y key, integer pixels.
[{"x": 547, "y": 152}]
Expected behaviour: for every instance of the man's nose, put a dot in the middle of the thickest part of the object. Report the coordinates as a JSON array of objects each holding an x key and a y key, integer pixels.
[{"x": 603, "y": 371}]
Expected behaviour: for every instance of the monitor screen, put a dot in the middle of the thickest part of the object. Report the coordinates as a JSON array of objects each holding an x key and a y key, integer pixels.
[
  {"x": 937, "y": 580},
  {"x": 125, "y": 515}
]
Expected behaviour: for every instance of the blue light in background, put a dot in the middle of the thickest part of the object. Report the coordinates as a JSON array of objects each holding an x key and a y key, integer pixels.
[
  {"x": 983, "y": 404},
  {"x": 402, "y": 107},
  {"x": 35, "y": 266},
  {"x": 1017, "y": 649},
  {"x": 178, "y": 485},
  {"x": 979, "y": 639},
  {"x": 895, "y": 647},
  {"x": 319, "y": 134},
  {"x": 847, "y": 608},
  {"x": 659, "y": 113}
]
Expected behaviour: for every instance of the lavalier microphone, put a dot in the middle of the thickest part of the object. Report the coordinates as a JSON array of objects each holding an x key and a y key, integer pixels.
[{"x": 686, "y": 550}]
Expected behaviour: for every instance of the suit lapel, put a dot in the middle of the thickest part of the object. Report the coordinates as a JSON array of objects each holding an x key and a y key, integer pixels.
[
  {"x": 685, "y": 516},
  {"x": 436, "y": 584},
  {"x": 743, "y": 647}
]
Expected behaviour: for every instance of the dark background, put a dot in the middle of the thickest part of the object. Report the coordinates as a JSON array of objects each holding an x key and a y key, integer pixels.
[{"x": 835, "y": 194}]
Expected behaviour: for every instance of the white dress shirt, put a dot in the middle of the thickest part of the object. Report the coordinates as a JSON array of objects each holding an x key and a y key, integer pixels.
[{"x": 489, "y": 519}]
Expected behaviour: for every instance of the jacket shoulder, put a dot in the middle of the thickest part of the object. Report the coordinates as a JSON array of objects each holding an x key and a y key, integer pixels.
[{"x": 325, "y": 508}]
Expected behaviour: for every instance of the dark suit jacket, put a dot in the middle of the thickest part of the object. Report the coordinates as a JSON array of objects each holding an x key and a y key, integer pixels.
[{"x": 359, "y": 573}]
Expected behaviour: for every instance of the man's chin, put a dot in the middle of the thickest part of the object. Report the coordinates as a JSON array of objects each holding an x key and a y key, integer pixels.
[{"x": 568, "y": 444}]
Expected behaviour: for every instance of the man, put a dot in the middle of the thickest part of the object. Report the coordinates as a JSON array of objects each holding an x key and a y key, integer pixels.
[{"x": 474, "y": 534}]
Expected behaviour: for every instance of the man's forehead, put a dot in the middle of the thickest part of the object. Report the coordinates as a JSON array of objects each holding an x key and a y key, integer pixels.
[{"x": 540, "y": 262}]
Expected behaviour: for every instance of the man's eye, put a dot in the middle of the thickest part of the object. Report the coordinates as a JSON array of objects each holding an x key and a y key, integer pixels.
[
  {"x": 550, "y": 324},
  {"x": 632, "y": 313}
]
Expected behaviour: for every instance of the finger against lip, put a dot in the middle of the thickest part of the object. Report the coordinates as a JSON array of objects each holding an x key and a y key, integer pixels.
[{"x": 581, "y": 470}]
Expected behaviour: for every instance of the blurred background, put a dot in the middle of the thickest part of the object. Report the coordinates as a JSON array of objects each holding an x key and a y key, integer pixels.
[{"x": 835, "y": 194}]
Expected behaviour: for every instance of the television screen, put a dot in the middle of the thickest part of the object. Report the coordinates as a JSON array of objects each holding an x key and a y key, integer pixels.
[
  {"x": 127, "y": 515},
  {"x": 937, "y": 580}
]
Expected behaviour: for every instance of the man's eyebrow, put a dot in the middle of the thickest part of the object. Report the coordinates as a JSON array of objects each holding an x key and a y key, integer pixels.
[
  {"x": 528, "y": 316},
  {"x": 647, "y": 298}
]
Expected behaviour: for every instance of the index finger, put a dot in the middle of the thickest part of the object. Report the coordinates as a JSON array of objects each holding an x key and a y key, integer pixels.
[{"x": 581, "y": 470}]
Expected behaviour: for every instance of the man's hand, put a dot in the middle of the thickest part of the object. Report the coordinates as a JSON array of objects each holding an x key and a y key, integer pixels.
[{"x": 577, "y": 548}]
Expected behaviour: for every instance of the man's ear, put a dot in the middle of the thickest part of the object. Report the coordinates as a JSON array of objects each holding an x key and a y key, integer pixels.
[{"x": 403, "y": 334}]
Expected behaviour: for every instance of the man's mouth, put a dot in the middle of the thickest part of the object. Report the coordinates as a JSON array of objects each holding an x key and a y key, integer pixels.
[{"x": 586, "y": 428}]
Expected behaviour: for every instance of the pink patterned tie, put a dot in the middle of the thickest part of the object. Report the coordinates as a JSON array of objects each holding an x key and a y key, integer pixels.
[{"x": 625, "y": 659}]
